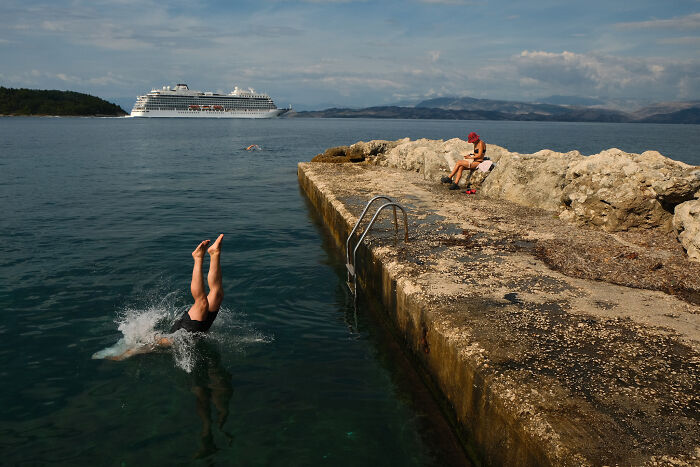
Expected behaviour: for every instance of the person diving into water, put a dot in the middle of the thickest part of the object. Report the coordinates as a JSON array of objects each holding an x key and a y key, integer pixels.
[{"x": 203, "y": 312}]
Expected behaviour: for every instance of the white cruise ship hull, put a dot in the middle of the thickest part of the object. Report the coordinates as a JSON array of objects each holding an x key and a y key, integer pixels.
[
  {"x": 209, "y": 113},
  {"x": 183, "y": 102}
]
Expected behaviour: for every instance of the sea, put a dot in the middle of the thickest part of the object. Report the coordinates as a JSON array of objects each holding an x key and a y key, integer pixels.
[{"x": 99, "y": 218}]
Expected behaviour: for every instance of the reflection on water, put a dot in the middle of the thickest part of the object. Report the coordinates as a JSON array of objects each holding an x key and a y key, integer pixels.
[{"x": 213, "y": 389}]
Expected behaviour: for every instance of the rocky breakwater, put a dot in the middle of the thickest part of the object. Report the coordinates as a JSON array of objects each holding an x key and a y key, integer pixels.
[
  {"x": 612, "y": 190},
  {"x": 552, "y": 342}
]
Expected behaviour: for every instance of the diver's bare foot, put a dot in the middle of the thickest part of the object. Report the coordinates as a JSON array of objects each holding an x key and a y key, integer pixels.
[
  {"x": 198, "y": 252},
  {"x": 164, "y": 342},
  {"x": 215, "y": 249}
]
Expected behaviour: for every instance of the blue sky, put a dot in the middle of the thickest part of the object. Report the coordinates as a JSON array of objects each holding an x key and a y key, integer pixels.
[{"x": 322, "y": 53}]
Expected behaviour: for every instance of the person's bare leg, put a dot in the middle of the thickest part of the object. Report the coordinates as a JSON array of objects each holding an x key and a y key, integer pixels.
[
  {"x": 131, "y": 352},
  {"x": 199, "y": 310},
  {"x": 216, "y": 290},
  {"x": 460, "y": 168},
  {"x": 454, "y": 171}
]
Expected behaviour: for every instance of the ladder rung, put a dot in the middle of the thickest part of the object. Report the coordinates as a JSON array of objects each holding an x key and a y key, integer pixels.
[{"x": 351, "y": 266}]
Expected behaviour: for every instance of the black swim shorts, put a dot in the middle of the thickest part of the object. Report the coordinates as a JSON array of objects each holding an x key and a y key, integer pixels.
[{"x": 192, "y": 325}]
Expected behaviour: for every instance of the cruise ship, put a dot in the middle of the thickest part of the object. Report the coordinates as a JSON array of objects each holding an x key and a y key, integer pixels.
[{"x": 180, "y": 101}]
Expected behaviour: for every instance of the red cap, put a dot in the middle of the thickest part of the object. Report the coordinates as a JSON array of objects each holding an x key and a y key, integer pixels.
[{"x": 473, "y": 137}]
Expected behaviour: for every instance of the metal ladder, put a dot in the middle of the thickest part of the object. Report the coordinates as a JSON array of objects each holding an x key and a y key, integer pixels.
[{"x": 352, "y": 273}]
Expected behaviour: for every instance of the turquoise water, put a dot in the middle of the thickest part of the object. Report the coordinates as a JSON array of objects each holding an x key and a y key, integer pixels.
[{"x": 99, "y": 219}]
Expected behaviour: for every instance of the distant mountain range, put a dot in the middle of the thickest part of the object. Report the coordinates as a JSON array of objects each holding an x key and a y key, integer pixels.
[{"x": 555, "y": 109}]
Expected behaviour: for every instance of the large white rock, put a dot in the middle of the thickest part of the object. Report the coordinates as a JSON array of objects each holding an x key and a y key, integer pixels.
[
  {"x": 435, "y": 158},
  {"x": 686, "y": 221},
  {"x": 422, "y": 156},
  {"x": 535, "y": 180},
  {"x": 616, "y": 190}
]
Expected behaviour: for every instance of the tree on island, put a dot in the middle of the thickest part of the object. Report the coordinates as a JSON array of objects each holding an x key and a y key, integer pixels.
[{"x": 64, "y": 103}]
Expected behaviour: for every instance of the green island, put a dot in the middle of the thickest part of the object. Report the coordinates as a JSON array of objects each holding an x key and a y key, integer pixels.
[{"x": 27, "y": 102}]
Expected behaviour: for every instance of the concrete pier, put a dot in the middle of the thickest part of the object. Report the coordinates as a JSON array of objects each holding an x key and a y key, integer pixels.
[{"x": 538, "y": 366}]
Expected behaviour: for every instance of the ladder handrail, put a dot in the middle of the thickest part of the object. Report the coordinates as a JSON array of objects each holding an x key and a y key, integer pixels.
[
  {"x": 357, "y": 224},
  {"x": 369, "y": 226}
]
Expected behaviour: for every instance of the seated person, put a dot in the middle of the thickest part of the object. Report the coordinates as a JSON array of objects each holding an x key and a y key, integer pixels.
[{"x": 470, "y": 162}]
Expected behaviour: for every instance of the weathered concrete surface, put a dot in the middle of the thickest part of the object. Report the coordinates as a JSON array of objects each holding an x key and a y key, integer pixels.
[
  {"x": 540, "y": 367},
  {"x": 612, "y": 190}
]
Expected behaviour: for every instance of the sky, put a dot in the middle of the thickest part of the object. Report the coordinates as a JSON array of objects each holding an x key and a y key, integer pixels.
[{"x": 317, "y": 54}]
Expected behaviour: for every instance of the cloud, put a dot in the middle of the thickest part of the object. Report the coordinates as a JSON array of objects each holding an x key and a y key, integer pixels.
[
  {"x": 446, "y": 2},
  {"x": 691, "y": 21},
  {"x": 112, "y": 25},
  {"x": 350, "y": 52},
  {"x": 333, "y": 1},
  {"x": 609, "y": 76},
  {"x": 65, "y": 80},
  {"x": 358, "y": 81},
  {"x": 688, "y": 40}
]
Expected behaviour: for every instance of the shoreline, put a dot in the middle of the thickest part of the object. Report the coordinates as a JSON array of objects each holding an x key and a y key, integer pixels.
[
  {"x": 67, "y": 116},
  {"x": 539, "y": 367},
  {"x": 686, "y": 116}
]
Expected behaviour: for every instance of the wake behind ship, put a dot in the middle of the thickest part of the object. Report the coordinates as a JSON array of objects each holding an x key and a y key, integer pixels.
[{"x": 180, "y": 101}]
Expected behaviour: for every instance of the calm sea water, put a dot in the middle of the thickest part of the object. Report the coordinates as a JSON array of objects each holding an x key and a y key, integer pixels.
[{"x": 99, "y": 217}]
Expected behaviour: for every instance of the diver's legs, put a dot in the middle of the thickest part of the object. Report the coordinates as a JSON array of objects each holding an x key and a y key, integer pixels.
[
  {"x": 216, "y": 290},
  {"x": 199, "y": 310}
]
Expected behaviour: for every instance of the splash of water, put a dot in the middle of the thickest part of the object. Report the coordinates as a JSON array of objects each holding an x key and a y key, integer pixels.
[{"x": 142, "y": 328}]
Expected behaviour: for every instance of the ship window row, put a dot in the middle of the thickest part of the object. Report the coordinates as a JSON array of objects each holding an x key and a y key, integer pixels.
[
  {"x": 184, "y": 106},
  {"x": 176, "y": 107},
  {"x": 208, "y": 97},
  {"x": 210, "y": 103},
  {"x": 225, "y": 104},
  {"x": 206, "y": 100},
  {"x": 169, "y": 107},
  {"x": 205, "y": 107}
]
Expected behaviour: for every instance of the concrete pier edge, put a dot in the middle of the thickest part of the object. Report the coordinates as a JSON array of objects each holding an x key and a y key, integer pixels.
[
  {"x": 500, "y": 436},
  {"x": 537, "y": 367}
]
